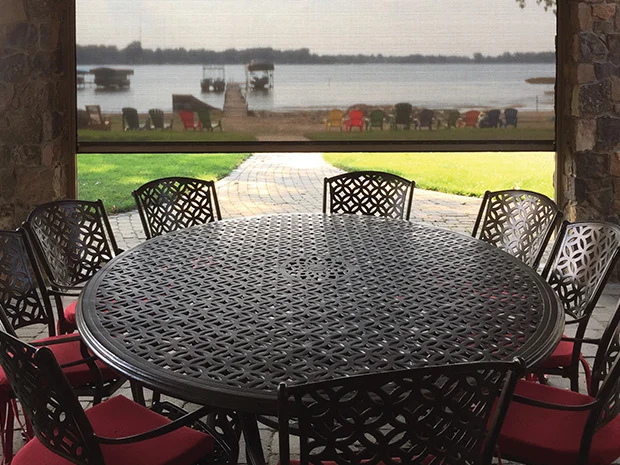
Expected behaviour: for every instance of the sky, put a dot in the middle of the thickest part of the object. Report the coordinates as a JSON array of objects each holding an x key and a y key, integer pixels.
[{"x": 390, "y": 27}]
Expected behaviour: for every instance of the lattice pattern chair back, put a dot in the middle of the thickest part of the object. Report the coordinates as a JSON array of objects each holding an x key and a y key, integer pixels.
[
  {"x": 74, "y": 239},
  {"x": 442, "y": 414},
  {"x": 519, "y": 222},
  {"x": 23, "y": 298},
  {"x": 169, "y": 204},
  {"x": 369, "y": 193},
  {"x": 582, "y": 257},
  {"x": 57, "y": 417}
]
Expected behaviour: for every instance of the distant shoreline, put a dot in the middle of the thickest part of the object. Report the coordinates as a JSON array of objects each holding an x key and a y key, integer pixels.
[{"x": 134, "y": 54}]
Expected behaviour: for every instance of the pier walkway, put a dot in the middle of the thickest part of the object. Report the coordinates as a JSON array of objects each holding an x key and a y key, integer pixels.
[{"x": 235, "y": 105}]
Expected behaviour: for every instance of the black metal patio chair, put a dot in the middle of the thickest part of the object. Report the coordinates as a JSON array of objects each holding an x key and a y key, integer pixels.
[
  {"x": 169, "y": 204},
  {"x": 439, "y": 414},
  {"x": 519, "y": 222},
  {"x": 545, "y": 424},
  {"x": 73, "y": 239},
  {"x": 369, "y": 193},
  {"x": 24, "y": 302},
  {"x": 581, "y": 261},
  {"x": 115, "y": 432}
]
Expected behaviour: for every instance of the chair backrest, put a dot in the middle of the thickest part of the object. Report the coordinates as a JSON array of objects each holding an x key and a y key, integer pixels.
[
  {"x": 426, "y": 118},
  {"x": 73, "y": 239},
  {"x": 130, "y": 118},
  {"x": 471, "y": 118},
  {"x": 452, "y": 118},
  {"x": 169, "y": 204},
  {"x": 24, "y": 300},
  {"x": 94, "y": 114},
  {"x": 579, "y": 265},
  {"x": 510, "y": 114},
  {"x": 334, "y": 117},
  {"x": 187, "y": 117},
  {"x": 493, "y": 116},
  {"x": 157, "y": 118},
  {"x": 356, "y": 116},
  {"x": 441, "y": 414},
  {"x": 205, "y": 117},
  {"x": 377, "y": 117},
  {"x": 402, "y": 113},
  {"x": 57, "y": 418},
  {"x": 519, "y": 222},
  {"x": 369, "y": 193}
]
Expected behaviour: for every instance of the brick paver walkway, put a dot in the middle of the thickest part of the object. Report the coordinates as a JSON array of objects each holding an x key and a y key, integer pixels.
[{"x": 293, "y": 183}]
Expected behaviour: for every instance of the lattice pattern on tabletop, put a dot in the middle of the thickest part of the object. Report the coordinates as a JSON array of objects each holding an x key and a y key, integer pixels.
[
  {"x": 75, "y": 239},
  {"x": 579, "y": 262},
  {"x": 21, "y": 286},
  {"x": 518, "y": 222},
  {"x": 227, "y": 309},
  {"x": 425, "y": 416},
  {"x": 369, "y": 193},
  {"x": 169, "y": 204},
  {"x": 48, "y": 401}
]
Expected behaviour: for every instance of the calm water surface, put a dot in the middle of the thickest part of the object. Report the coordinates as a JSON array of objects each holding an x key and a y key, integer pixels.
[{"x": 461, "y": 86}]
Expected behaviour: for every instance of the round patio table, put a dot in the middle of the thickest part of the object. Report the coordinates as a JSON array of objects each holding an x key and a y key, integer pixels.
[{"x": 220, "y": 314}]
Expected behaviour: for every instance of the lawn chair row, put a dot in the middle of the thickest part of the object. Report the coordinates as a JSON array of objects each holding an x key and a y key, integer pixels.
[
  {"x": 478, "y": 119},
  {"x": 377, "y": 118},
  {"x": 155, "y": 120},
  {"x": 204, "y": 120}
]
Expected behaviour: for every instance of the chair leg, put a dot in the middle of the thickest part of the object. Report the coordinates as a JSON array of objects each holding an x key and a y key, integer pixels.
[{"x": 6, "y": 432}]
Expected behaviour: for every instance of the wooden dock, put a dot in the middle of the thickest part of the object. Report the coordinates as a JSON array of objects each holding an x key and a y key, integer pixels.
[{"x": 235, "y": 105}]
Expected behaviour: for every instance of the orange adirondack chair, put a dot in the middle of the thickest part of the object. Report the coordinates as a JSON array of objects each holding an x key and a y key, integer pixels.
[
  {"x": 334, "y": 120},
  {"x": 187, "y": 118},
  {"x": 96, "y": 120},
  {"x": 355, "y": 119},
  {"x": 471, "y": 118}
]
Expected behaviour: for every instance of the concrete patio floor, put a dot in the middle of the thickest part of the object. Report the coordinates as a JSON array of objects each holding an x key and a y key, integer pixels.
[{"x": 270, "y": 183}]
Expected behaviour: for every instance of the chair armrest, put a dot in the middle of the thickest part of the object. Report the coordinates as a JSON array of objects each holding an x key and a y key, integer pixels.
[
  {"x": 164, "y": 429},
  {"x": 551, "y": 406}
]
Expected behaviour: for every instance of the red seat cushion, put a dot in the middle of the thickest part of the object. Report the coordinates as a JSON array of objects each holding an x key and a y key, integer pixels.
[
  {"x": 561, "y": 356},
  {"x": 119, "y": 417},
  {"x": 544, "y": 436},
  {"x": 67, "y": 352},
  {"x": 69, "y": 312}
]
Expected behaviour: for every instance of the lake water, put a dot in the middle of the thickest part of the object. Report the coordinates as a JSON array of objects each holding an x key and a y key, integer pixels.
[{"x": 461, "y": 86}]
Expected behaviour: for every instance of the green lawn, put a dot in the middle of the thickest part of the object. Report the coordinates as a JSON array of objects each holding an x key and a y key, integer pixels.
[
  {"x": 465, "y": 173},
  {"x": 442, "y": 134},
  {"x": 112, "y": 177}
]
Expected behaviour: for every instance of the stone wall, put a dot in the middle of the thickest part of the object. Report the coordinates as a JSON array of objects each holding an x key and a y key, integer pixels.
[
  {"x": 36, "y": 136},
  {"x": 589, "y": 109}
]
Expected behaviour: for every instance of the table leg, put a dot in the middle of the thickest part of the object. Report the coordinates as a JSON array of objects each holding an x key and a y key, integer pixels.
[
  {"x": 253, "y": 445},
  {"x": 137, "y": 392}
]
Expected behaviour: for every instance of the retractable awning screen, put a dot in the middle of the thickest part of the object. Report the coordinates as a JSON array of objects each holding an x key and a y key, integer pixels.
[{"x": 314, "y": 74}]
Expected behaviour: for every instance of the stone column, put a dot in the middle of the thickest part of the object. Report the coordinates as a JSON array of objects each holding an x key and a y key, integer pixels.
[
  {"x": 588, "y": 139},
  {"x": 37, "y": 102}
]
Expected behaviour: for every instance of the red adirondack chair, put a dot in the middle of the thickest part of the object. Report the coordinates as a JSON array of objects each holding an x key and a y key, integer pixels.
[
  {"x": 355, "y": 119},
  {"x": 187, "y": 118},
  {"x": 471, "y": 118}
]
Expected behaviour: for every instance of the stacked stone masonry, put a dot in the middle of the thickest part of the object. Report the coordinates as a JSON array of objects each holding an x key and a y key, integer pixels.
[
  {"x": 36, "y": 154},
  {"x": 589, "y": 94}
]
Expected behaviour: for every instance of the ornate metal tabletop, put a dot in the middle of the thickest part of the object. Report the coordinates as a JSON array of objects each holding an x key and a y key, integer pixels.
[{"x": 220, "y": 314}]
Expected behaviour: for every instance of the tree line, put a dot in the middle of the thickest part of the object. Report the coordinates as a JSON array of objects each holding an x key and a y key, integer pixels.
[{"x": 135, "y": 54}]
